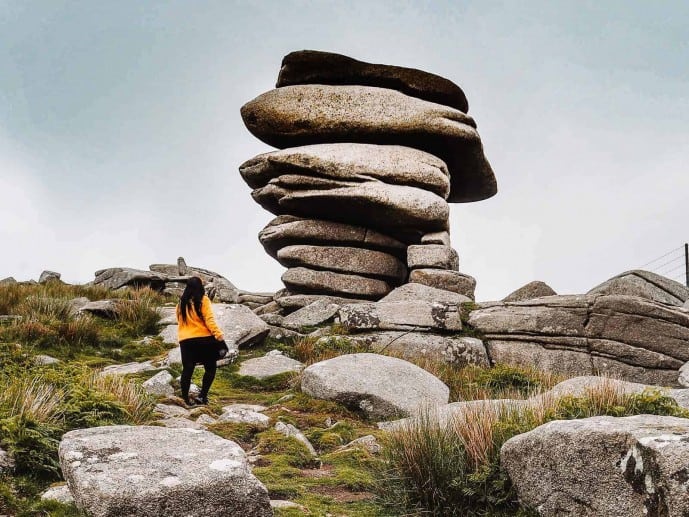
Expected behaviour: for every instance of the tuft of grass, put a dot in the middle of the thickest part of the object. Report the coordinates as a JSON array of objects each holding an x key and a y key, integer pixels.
[{"x": 310, "y": 350}]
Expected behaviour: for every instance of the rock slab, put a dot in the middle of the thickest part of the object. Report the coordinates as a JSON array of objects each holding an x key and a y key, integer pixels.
[{"x": 115, "y": 471}]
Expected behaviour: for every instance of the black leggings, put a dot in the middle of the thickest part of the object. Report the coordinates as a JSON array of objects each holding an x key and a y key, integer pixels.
[{"x": 198, "y": 350}]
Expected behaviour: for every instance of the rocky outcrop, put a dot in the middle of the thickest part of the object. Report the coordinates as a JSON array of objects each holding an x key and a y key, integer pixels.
[
  {"x": 47, "y": 276},
  {"x": 535, "y": 289},
  {"x": 625, "y": 336},
  {"x": 360, "y": 186},
  {"x": 115, "y": 471},
  {"x": 402, "y": 315},
  {"x": 610, "y": 466},
  {"x": 446, "y": 280},
  {"x": 380, "y": 386},
  {"x": 645, "y": 285}
]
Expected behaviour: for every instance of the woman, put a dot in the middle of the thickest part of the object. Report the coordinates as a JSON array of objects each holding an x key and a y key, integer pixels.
[{"x": 197, "y": 334}]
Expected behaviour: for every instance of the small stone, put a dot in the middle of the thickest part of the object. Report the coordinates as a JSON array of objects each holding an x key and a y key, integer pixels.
[
  {"x": 205, "y": 420},
  {"x": 175, "y": 422},
  {"x": 244, "y": 416},
  {"x": 128, "y": 368},
  {"x": 290, "y": 430},
  {"x": 530, "y": 291},
  {"x": 368, "y": 443},
  {"x": 159, "y": 384},
  {"x": 45, "y": 360},
  {"x": 170, "y": 410},
  {"x": 58, "y": 493}
]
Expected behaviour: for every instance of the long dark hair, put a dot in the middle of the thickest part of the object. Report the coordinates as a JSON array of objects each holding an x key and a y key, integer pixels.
[{"x": 193, "y": 294}]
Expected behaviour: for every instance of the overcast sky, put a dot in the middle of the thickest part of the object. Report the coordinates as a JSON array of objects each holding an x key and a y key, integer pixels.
[{"x": 120, "y": 133}]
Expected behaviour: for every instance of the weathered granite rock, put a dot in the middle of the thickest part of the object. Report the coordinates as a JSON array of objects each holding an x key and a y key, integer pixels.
[
  {"x": 400, "y": 211},
  {"x": 414, "y": 291},
  {"x": 47, "y": 276},
  {"x": 170, "y": 410},
  {"x": 368, "y": 443},
  {"x": 290, "y": 302},
  {"x": 288, "y": 230},
  {"x": 116, "y": 277},
  {"x": 392, "y": 164},
  {"x": 268, "y": 309},
  {"x": 602, "y": 466},
  {"x": 6, "y": 462},
  {"x": 316, "y": 67},
  {"x": 535, "y": 289},
  {"x": 175, "y": 422},
  {"x": 316, "y": 313},
  {"x": 103, "y": 308},
  {"x": 291, "y": 431},
  {"x": 301, "y": 279},
  {"x": 255, "y": 297},
  {"x": 645, "y": 285},
  {"x": 382, "y": 387},
  {"x": 44, "y": 360},
  {"x": 114, "y": 471},
  {"x": 279, "y": 333},
  {"x": 345, "y": 260},
  {"x": 273, "y": 363},
  {"x": 625, "y": 336},
  {"x": 456, "y": 350},
  {"x": 446, "y": 280},
  {"x": 683, "y": 379},
  {"x": 436, "y": 238},
  {"x": 243, "y": 415},
  {"x": 128, "y": 368},
  {"x": 313, "y": 114},
  {"x": 168, "y": 315},
  {"x": 77, "y": 303},
  {"x": 403, "y": 315},
  {"x": 159, "y": 384},
  {"x": 434, "y": 256},
  {"x": 8, "y": 281},
  {"x": 59, "y": 494}
]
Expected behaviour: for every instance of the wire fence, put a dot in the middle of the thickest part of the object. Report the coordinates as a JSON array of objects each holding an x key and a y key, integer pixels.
[{"x": 672, "y": 264}]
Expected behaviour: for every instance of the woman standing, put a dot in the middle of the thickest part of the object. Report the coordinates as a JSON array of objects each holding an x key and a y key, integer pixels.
[{"x": 197, "y": 335}]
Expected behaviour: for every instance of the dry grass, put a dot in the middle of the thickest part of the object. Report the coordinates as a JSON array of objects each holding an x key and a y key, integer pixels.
[
  {"x": 134, "y": 399},
  {"x": 32, "y": 398},
  {"x": 310, "y": 350}
]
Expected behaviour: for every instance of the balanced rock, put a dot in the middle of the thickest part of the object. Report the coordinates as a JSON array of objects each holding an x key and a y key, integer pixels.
[
  {"x": 602, "y": 466},
  {"x": 316, "y": 67},
  {"x": 115, "y": 471},
  {"x": 535, "y": 289},
  {"x": 313, "y": 114},
  {"x": 436, "y": 256},
  {"x": 328, "y": 282},
  {"x": 392, "y": 164},
  {"x": 403, "y": 315},
  {"x": 286, "y": 230},
  {"x": 380, "y": 386},
  {"x": 390, "y": 209},
  {"x": 645, "y": 285},
  {"x": 447, "y": 280}
]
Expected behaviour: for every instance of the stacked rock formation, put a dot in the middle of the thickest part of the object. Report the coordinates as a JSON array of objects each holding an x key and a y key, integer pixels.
[{"x": 370, "y": 157}]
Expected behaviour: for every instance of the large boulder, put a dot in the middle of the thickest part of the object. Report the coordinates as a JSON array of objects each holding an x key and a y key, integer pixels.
[
  {"x": 286, "y": 230},
  {"x": 392, "y": 164},
  {"x": 148, "y": 471},
  {"x": 402, "y": 315},
  {"x": 380, "y": 386},
  {"x": 117, "y": 277},
  {"x": 446, "y": 280},
  {"x": 290, "y": 302},
  {"x": 535, "y": 289},
  {"x": 316, "y": 67},
  {"x": 609, "y": 466},
  {"x": 624, "y": 336},
  {"x": 645, "y": 285},
  {"x": 47, "y": 276},
  {"x": 398, "y": 210},
  {"x": 314, "y": 114},
  {"x": 344, "y": 260},
  {"x": 311, "y": 281}
]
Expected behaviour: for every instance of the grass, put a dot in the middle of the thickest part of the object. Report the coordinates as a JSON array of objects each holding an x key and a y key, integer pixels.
[{"x": 454, "y": 469}]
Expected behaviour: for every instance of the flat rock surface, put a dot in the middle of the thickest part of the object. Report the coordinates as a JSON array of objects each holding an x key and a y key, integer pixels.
[
  {"x": 288, "y": 230},
  {"x": 380, "y": 386},
  {"x": 446, "y": 280},
  {"x": 316, "y": 313},
  {"x": 311, "y": 281},
  {"x": 402, "y": 315},
  {"x": 115, "y": 471},
  {"x": 602, "y": 466},
  {"x": 269, "y": 365},
  {"x": 315, "y": 114},
  {"x": 293, "y": 301},
  {"x": 316, "y": 67},
  {"x": 344, "y": 260},
  {"x": 413, "y": 292},
  {"x": 392, "y": 164}
]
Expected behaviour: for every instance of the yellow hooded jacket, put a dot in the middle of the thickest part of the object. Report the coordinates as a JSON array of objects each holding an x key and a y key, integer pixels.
[{"x": 196, "y": 326}]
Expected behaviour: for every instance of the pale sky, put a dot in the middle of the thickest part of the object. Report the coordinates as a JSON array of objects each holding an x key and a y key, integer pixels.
[{"x": 120, "y": 133}]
